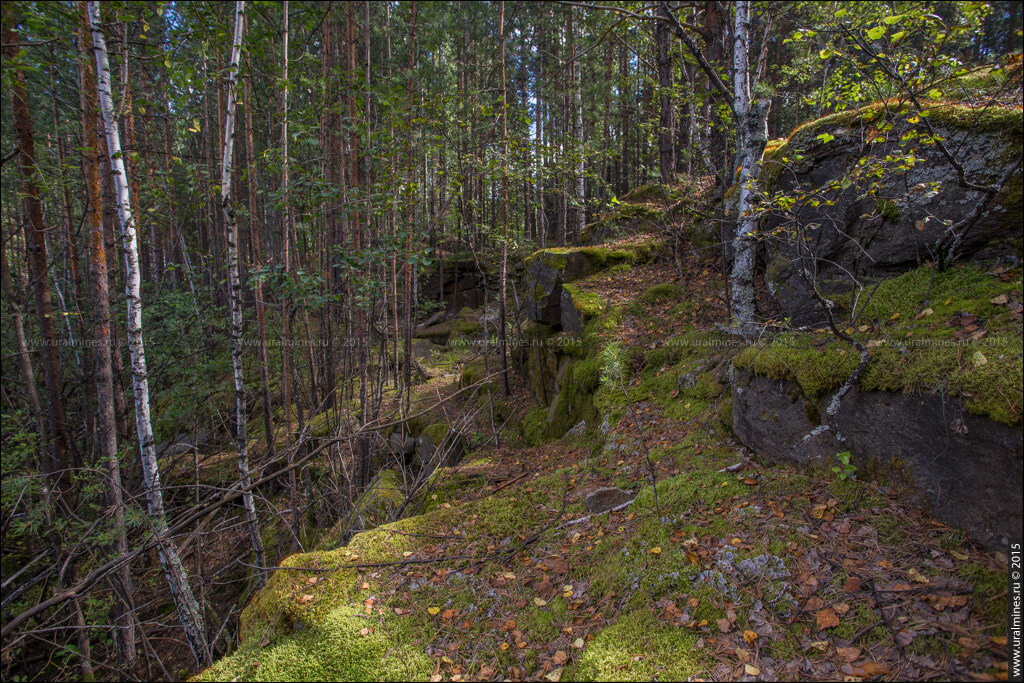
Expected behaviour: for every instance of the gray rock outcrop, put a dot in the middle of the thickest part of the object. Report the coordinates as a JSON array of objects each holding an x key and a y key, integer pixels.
[
  {"x": 901, "y": 223},
  {"x": 606, "y": 498},
  {"x": 965, "y": 469}
]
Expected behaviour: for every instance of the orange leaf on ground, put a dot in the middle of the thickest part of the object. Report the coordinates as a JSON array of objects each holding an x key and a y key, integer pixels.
[{"x": 827, "y": 618}]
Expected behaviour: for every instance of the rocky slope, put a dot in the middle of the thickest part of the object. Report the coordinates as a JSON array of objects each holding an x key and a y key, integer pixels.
[{"x": 719, "y": 565}]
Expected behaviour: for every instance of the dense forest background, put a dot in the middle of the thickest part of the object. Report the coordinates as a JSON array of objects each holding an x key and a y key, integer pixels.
[{"x": 218, "y": 221}]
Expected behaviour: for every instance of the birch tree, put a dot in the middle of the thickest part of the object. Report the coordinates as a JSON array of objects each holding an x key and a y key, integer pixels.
[
  {"x": 235, "y": 289},
  {"x": 752, "y": 135},
  {"x": 750, "y": 119},
  {"x": 106, "y": 433},
  {"x": 189, "y": 612}
]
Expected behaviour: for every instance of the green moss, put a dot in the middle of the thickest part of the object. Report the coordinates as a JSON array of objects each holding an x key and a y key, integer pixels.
[
  {"x": 639, "y": 648},
  {"x": 574, "y": 401},
  {"x": 663, "y": 293},
  {"x": 589, "y": 304},
  {"x": 474, "y": 371},
  {"x": 986, "y": 582},
  {"x": 1006, "y": 121},
  {"x": 648, "y": 193},
  {"x": 332, "y": 649},
  {"x": 535, "y": 426},
  {"x": 890, "y": 211},
  {"x": 930, "y": 356},
  {"x": 437, "y": 334},
  {"x": 382, "y": 497},
  {"x": 437, "y": 432},
  {"x": 599, "y": 257}
]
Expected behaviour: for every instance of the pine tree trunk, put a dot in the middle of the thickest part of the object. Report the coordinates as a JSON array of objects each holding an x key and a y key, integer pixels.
[
  {"x": 581, "y": 196},
  {"x": 24, "y": 360},
  {"x": 189, "y": 612},
  {"x": 503, "y": 278},
  {"x": 287, "y": 356},
  {"x": 103, "y": 373},
  {"x": 666, "y": 128},
  {"x": 38, "y": 260},
  {"x": 252, "y": 177}
]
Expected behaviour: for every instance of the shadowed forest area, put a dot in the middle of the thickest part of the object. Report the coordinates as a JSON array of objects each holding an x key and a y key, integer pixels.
[{"x": 511, "y": 341}]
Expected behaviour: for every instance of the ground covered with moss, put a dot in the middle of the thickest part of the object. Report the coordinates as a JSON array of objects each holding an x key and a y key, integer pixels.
[{"x": 721, "y": 568}]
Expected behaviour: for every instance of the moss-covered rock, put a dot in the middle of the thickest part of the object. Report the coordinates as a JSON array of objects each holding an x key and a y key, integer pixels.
[
  {"x": 548, "y": 270},
  {"x": 914, "y": 354},
  {"x": 875, "y": 196},
  {"x": 439, "y": 446},
  {"x": 378, "y": 504}
]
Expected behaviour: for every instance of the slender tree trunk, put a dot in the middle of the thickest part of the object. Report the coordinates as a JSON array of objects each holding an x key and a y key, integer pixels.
[
  {"x": 666, "y": 132},
  {"x": 252, "y": 178},
  {"x": 503, "y": 278},
  {"x": 235, "y": 295},
  {"x": 24, "y": 360},
  {"x": 189, "y": 611},
  {"x": 751, "y": 122},
  {"x": 103, "y": 373},
  {"x": 38, "y": 260},
  {"x": 287, "y": 358},
  {"x": 581, "y": 195}
]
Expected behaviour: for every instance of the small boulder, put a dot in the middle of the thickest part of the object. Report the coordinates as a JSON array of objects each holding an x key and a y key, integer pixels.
[
  {"x": 423, "y": 349},
  {"x": 439, "y": 446},
  {"x": 546, "y": 271},
  {"x": 606, "y": 498},
  {"x": 402, "y": 445}
]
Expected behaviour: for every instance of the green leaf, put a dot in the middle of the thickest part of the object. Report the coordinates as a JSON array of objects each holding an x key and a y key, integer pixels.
[
  {"x": 825, "y": 54},
  {"x": 826, "y": 137},
  {"x": 935, "y": 93},
  {"x": 876, "y": 33}
]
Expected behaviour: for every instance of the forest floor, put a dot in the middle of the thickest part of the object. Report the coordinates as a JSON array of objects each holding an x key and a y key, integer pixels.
[{"x": 736, "y": 570}]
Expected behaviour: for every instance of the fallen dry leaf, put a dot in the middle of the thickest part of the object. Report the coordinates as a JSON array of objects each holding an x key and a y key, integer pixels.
[
  {"x": 827, "y": 618},
  {"x": 869, "y": 669},
  {"x": 723, "y": 625},
  {"x": 917, "y": 577},
  {"x": 848, "y": 654}
]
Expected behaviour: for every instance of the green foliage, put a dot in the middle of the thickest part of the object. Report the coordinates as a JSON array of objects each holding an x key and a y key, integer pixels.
[
  {"x": 845, "y": 469},
  {"x": 611, "y": 365}
]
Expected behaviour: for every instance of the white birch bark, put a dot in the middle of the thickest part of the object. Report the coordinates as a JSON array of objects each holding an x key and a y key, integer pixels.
[
  {"x": 751, "y": 125},
  {"x": 235, "y": 286},
  {"x": 189, "y": 612}
]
